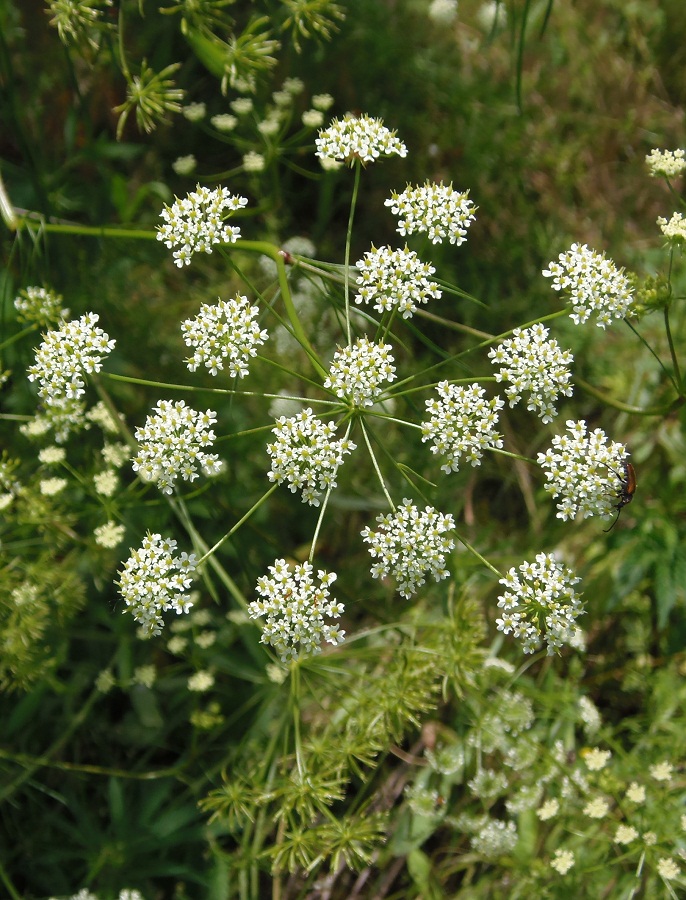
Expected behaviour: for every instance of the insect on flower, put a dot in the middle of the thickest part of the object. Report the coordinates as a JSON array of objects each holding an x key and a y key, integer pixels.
[{"x": 627, "y": 489}]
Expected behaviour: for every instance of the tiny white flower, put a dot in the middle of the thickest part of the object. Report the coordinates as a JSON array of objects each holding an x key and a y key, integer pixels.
[
  {"x": 357, "y": 373},
  {"x": 434, "y": 209},
  {"x": 563, "y": 861},
  {"x": 666, "y": 163},
  {"x": 358, "y": 138}
]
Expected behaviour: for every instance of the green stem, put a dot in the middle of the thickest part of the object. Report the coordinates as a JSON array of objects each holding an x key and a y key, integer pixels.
[
  {"x": 263, "y": 499},
  {"x": 376, "y": 466},
  {"x": 664, "y": 410},
  {"x": 679, "y": 385},
  {"x": 348, "y": 242},
  {"x": 18, "y": 336}
]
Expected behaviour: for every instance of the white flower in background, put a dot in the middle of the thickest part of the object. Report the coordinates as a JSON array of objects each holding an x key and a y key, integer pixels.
[
  {"x": 306, "y": 455},
  {"x": 224, "y": 122},
  {"x": 194, "y": 112},
  {"x": 51, "y": 456},
  {"x": 443, "y": 12},
  {"x": 667, "y": 868},
  {"x": 496, "y": 838},
  {"x": 662, "y": 771},
  {"x": 226, "y": 331},
  {"x": 540, "y": 604},
  {"x": 153, "y": 581},
  {"x": 295, "y": 608},
  {"x": 563, "y": 861},
  {"x": 196, "y": 223},
  {"x": 254, "y": 162},
  {"x": 173, "y": 443},
  {"x": 593, "y": 284},
  {"x": 395, "y": 279},
  {"x": 596, "y": 759},
  {"x": 241, "y": 105},
  {"x": 358, "y": 373},
  {"x": 50, "y": 487},
  {"x": 666, "y": 163},
  {"x": 201, "y": 681},
  {"x": 184, "y": 165},
  {"x": 625, "y": 834},
  {"x": 585, "y": 471},
  {"x": 410, "y": 545},
  {"x": 434, "y": 209},
  {"x": 66, "y": 356},
  {"x": 109, "y": 535},
  {"x": 358, "y": 138},
  {"x": 322, "y": 102},
  {"x": 462, "y": 423},
  {"x": 40, "y": 305},
  {"x": 293, "y": 86},
  {"x": 106, "y": 482},
  {"x": 531, "y": 363},
  {"x": 313, "y": 118}
]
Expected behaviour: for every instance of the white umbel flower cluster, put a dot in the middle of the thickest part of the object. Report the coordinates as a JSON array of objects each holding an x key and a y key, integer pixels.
[
  {"x": 173, "y": 443},
  {"x": 593, "y": 283},
  {"x": 40, "y": 305},
  {"x": 295, "y": 609},
  {"x": 65, "y": 356},
  {"x": 462, "y": 423},
  {"x": 585, "y": 471},
  {"x": 674, "y": 229},
  {"x": 358, "y": 373},
  {"x": 434, "y": 209},
  {"x": 395, "y": 279},
  {"x": 360, "y": 138},
  {"x": 530, "y": 362},
  {"x": 196, "y": 223},
  {"x": 306, "y": 455},
  {"x": 666, "y": 163},
  {"x": 153, "y": 581},
  {"x": 228, "y": 330},
  {"x": 409, "y": 545},
  {"x": 540, "y": 604}
]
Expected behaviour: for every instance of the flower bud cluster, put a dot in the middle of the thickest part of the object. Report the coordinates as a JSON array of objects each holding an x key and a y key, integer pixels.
[
  {"x": 153, "y": 581},
  {"x": 395, "y": 279},
  {"x": 195, "y": 223},
  {"x": 295, "y": 609},
  {"x": 306, "y": 455},
  {"x": 357, "y": 373},
  {"x": 462, "y": 423},
  {"x": 65, "y": 356},
  {"x": 228, "y": 330},
  {"x": 594, "y": 285},
  {"x": 674, "y": 229},
  {"x": 352, "y": 138},
  {"x": 540, "y": 604},
  {"x": 585, "y": 471},
  {"x": 535, "y": 364},
  {"x": 173, "y": 443},
  {"x": 40, "y": 305},
  {"x": 434, "y": 209},
  {"x": 409, "y": 545}
]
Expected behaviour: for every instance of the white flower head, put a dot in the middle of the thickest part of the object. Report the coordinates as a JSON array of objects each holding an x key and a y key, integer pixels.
[
  {"x": 596, "y": 759},
  {"x": 306, "y": 455},
  {"x": 539, "y": 604},
  {"x": 254, "y": 162},
  {"x": 313, "y": 118},
  {"x": 194, "y": 112},
  {"x": 109, "y": 535},
  {"x": 295, "y": 607},
  {"x": 196, "y": 223},
  {"x": 66, "y": 356},
  {"x": 358, "y": 373},
  {"x": 358, "y": 138},
  {"x": 395, "y": 279},
  {"x": 409, "y": 545},
  {"x": 443, "y": 12},
  {"x": 674, "y": 229},
  {"x": 224, "y": 122},
  {"x": 586, "y": 471},
  {"x": 667, "y": 868},
  {"x": 666, "y": 163},
  {"x": 226, "y": 331},
  {"x": 593, "y": 284},
  {"x": 153, "y": 581},
  {"x": 462, "y": 424},
  {"x": 40, "y": 305},
  {"x": 185, "y": 165},
  {"x": 563, "y": 861},
  {"x": 532, "y": 363},
  {"x": 434, "y": 209},
  {"x": 173, "y": 443}
]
